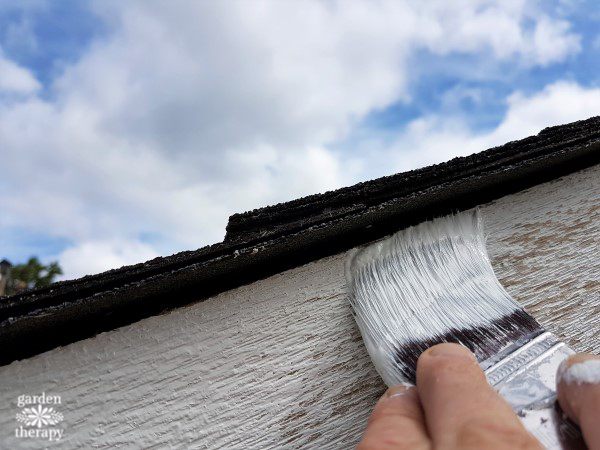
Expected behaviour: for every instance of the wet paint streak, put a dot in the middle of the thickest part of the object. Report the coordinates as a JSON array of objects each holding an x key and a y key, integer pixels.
[{"x": 484, "y": 341}]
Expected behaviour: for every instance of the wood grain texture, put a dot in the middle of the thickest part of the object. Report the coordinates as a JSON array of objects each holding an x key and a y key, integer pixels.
[{"x": 280, "y": 363}]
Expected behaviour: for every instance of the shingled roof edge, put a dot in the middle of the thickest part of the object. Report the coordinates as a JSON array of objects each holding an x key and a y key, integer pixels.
[
  {"x": 65, "y": 312},
  {"x": 240, "y": 226}
]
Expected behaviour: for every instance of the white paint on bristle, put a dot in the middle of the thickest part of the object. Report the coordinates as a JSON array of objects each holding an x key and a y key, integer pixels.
[
  {"x": 424, "y": 283},
  {"x": 579, "y": 373}
]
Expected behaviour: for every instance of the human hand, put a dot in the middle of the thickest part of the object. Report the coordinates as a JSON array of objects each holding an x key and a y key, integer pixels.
[
  {"x": 578, "y": 393},
  {"x": 453, "y": 406}
]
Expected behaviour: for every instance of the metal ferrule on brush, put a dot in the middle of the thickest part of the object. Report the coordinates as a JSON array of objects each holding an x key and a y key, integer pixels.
[
  {"x": 525, "y": 376},
  {"x": 434, "y": 283}
]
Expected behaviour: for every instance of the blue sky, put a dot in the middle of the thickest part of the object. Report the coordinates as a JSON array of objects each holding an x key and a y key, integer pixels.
[
  {"x": 47, "y": 37},
  {"x": 134, "y": 129}
]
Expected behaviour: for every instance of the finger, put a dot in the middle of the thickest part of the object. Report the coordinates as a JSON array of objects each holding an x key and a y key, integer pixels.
[
  {"x": 461, "y": 408},
  {"x": 578, "y": 391},
  {"x": 397, "y": 422}
]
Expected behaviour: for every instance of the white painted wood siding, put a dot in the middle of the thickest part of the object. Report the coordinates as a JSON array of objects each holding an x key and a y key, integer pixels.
[{"x": 280, "y": 363}]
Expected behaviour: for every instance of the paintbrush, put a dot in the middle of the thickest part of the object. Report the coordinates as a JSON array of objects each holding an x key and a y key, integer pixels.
[{"x": 434, "y": 283}]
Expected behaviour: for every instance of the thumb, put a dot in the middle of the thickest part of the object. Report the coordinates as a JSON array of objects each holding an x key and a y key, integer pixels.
[{"x": 578, "y": 389}]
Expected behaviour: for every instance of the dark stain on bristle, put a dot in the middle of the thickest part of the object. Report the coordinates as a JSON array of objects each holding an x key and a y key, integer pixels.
[{"x": 483, "y": 341}]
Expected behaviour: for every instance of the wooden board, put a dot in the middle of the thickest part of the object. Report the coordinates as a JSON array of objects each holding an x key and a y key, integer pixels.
[{"x": 280, "y": 363}]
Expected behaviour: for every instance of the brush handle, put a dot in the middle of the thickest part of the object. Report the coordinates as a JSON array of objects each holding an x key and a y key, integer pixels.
[{"x": 526, "y": 379}]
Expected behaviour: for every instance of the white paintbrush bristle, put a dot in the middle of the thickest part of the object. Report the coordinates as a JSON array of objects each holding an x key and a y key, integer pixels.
[{"x": 428, "y": 284}]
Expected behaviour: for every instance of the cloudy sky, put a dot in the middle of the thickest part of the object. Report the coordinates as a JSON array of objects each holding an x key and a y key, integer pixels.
[{"x": 131, "y": 129}]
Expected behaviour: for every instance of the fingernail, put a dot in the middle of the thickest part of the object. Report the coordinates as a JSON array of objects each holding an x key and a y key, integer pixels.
[
  {"x": 579, "y": 369},
  {"x": 451, "y": 350},
  {"x": 399, "y": 390}
]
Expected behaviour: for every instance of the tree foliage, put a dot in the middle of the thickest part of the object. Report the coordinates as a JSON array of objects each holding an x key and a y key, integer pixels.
[{"x": 32, "y": 274}]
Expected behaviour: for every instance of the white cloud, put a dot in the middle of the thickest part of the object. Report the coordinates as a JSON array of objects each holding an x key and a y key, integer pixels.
[
  {"x": 92, "y": 257},
  {"x": 184, "y": 114},
  {"x": 553, "y": 42},
  {"x": 467, "y": 26},
  {"x": 15, "y": 79},
  {"x": 435, "y": 138},
  {"x": 560, "y": 102}
]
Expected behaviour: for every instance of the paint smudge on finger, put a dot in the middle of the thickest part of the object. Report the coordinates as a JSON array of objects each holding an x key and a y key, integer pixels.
[{"x": 580, "y": 372}]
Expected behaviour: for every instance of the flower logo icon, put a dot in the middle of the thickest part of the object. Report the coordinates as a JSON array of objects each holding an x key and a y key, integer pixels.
[{"x": 38, "y": 417}]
